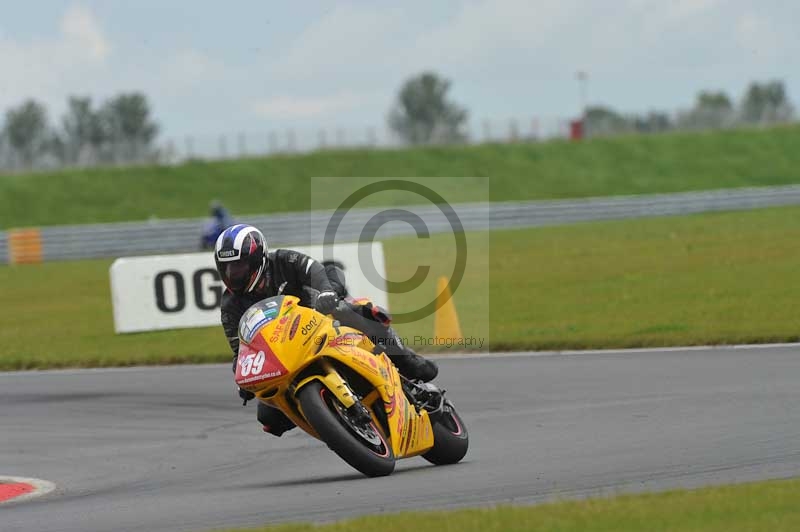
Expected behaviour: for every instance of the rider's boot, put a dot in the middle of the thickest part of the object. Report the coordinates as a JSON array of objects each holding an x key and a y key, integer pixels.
[
  {"x": 409, "y": 364},
  {"x": 273, "y": 420},
  {"x": 415, "y": 367}
]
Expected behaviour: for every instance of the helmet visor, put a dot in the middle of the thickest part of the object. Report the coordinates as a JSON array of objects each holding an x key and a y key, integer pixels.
[{"x": 236, "y": 275}]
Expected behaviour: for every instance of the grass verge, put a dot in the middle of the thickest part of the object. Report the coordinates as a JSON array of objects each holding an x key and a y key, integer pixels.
[
  {"x": 705, "y": 279},
  {"x": 773, "y": 506},
  {"x": 557, "y": 169}
]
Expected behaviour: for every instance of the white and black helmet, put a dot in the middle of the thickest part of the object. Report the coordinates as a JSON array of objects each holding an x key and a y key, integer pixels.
[{"x": 241, "y": 257}]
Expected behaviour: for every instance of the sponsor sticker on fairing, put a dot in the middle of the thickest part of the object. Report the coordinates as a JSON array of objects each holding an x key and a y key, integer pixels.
[
  {"x": 254, "y": 319},
  {"x": 310, "y": 326},
  {"x": 279, "y": 327},
  {"x": 261, "y": 377},
  {"x": 293, "y": 328}
]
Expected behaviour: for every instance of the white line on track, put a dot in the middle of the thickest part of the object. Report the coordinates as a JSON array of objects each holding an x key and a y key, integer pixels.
[
  {"x": 449, "y": 356},
  {"x": 634, "y": 351}
]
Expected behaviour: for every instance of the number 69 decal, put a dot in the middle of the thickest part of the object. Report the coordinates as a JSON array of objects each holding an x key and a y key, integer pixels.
[{"x": 253, "y": 363}]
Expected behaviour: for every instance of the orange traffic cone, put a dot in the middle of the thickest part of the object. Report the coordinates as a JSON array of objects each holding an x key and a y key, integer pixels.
[{"x": 445, "y": 320}]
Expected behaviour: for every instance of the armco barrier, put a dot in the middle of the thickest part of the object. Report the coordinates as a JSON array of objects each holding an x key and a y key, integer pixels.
[{"x": 305, "y": 228}]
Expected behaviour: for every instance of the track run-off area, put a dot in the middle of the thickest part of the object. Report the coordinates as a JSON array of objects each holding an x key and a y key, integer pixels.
[{"x": 172, "y": 449}]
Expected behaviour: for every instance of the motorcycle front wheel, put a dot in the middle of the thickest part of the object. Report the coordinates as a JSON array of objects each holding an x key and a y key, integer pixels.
[{"x": 361, "y": 444}]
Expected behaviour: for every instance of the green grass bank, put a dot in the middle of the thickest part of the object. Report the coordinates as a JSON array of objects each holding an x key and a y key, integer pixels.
[
  {"x": 556, "y": 169},
  {"x": 705, "y": 279},
  {"x": 765, "y": 506}
]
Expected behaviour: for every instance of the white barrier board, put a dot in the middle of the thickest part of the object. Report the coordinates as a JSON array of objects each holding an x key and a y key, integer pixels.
[{"x": 181, "y": 291}]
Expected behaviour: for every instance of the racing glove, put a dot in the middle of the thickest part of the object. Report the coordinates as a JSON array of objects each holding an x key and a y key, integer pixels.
[{"x": 327, "y": 302}]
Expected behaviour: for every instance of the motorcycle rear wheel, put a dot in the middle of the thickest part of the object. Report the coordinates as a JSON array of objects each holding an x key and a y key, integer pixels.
[
  {"x": 363, "y": 446},
  {"x": 450, "y": 438}
]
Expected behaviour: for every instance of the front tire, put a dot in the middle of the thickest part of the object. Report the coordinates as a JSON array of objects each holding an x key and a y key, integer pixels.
[
  {"x": 450, "y": 438},
  {"x": 363, "y": 447}
]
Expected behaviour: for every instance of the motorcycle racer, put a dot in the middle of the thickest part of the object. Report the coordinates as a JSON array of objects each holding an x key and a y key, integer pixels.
[{"x": 251, "y": 273}]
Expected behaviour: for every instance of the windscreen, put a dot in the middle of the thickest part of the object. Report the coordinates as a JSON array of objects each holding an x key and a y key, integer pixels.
[{"x": 257, "y": 316}]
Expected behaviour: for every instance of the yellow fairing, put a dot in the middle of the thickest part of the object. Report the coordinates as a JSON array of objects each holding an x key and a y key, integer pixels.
[
  {"x": 300, "y": 337},
  {"x": 410, "y": 432}
]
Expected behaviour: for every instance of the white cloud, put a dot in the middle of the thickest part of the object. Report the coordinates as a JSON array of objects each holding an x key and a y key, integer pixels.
[
  {"x": 482, "y": 33},
  {"x": 187, "y": 66},
  {"x": 47, "y": 69},
  {"x": 376, "y": 47},
  {"x": 632, "y": 51},
  {"x": 757, "y": 36},
  {"x": 675, "y": 9},
  {"x": 486, "y": 40},
  {"x": 688, "y": 8},
  {"x": 293, "y": 107},
  {"x": 350, "y": 40},
  {"x": 79, "y": 26},
  {"x": 505, "y": 57}
]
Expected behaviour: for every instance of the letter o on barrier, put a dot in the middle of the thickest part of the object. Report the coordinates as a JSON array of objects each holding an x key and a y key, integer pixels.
[{"x": 180, "y": 291}]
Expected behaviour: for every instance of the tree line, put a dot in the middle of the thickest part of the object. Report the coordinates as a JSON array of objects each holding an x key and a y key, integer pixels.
[
  {"x": 120, "y": 130},
  {"x": 762, "y": 103},
  {"x": 424, "y": 113}
]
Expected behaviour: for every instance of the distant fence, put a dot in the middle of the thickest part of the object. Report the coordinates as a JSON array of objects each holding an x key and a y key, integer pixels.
[
  {"x": 236, "y": 145},
  {"x": 303, "y": 228},
  {"x": 294, "y": 140},
  {"x": 302, "y": 140}
]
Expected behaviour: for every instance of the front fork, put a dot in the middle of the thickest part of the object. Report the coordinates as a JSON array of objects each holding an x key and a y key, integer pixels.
[{"x": 334, "y": 383}]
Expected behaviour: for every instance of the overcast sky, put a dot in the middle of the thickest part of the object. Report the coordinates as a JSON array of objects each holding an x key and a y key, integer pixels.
[{"x": 211, "y": 67}]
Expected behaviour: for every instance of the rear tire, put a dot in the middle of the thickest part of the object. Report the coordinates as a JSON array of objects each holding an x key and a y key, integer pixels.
[
  {"x": 322, "y": 411},
  {"x": 450, "y": 438}
]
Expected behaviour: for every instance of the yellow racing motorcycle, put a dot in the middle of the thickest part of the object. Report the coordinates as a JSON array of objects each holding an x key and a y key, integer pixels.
[{"x": 333, "y": 383}]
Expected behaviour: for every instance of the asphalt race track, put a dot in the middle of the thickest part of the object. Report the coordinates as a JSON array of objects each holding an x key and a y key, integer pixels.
[{"x": 154, "y": 449}]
